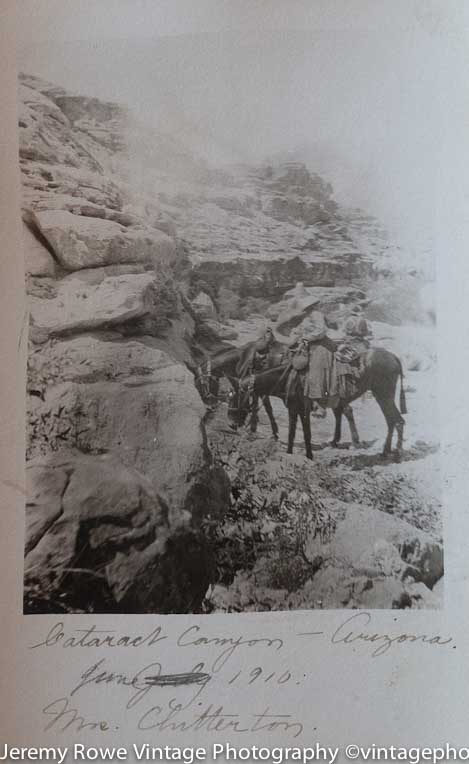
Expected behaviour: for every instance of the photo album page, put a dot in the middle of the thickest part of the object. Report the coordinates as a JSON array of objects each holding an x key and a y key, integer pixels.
[{"x": 234, "y": 440}]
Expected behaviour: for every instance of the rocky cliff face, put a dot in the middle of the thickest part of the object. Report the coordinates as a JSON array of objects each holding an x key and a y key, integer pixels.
[
  {"x": 121, "y": 479},
  {"x": 270, "y": 227},
  {"x": 258, "y": 230}
]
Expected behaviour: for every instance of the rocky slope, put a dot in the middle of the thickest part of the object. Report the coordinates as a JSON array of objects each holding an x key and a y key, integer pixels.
[
  {"x": 140, "y": 258},
  {"x": 120, "y": 473}
]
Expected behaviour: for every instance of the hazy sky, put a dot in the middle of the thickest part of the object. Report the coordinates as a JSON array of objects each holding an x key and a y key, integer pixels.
[{"x": 359, "y": 87}]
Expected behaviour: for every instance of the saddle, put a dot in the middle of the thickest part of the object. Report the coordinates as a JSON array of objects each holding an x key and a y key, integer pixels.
[
  {"x": 347, "y": 354},
  {"x": 349, "y": 369}
]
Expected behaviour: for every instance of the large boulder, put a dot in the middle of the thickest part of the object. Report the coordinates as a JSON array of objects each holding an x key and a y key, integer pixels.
[
  {"x": 45, "y": 487},
  {"x": 78, "y": 306},
  {"x": 62, "y": 187},
  {"x": 44, "y": 130},
  {"x": 120, "y": 481},
  {"x": 375, "y": 544},
  {"x": 86, "y": 358},
  {"x": 97, "y": 275},
  {"x": 102, "y": 539},
  {"x": 82, "y": 206},
  {"x": 79, "y": 241},
  {"x": 138, "y": 403},
  {"x": 37, "y": 259}
]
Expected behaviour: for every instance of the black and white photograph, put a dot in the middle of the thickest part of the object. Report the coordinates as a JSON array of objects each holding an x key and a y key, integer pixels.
[{"x": 232, "y": 374}]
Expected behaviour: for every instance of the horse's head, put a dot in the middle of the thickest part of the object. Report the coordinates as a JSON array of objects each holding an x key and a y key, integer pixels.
[{"x": 240, "y": 402}]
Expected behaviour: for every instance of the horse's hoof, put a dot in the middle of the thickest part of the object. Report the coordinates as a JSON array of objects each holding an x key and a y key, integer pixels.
[
  {"x": 334, "y": 444},
  {"x": 289, "y": 451},
  {"x": 357, "y": 444},
  {"x": 275, "y": 435},
  {"x": 310, "y": 457}
]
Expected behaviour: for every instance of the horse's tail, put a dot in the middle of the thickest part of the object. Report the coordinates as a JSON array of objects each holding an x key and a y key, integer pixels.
[{"x": 402, "y": 399}]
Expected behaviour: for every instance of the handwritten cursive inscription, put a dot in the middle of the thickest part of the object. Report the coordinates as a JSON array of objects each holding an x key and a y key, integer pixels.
[
  {"x": 93, "y": 637},
  {"x": 190, "y": 638},
  {"x": 348, "y": 634},
  {"x": 143, "y": 691},
  {"x": 142, "y": 681},
  {"x": 216, "y": 719},
  {"x": 63, "y": 717}
]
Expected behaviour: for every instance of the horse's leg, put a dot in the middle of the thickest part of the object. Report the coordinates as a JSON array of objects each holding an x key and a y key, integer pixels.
[
  {"x": 306, "y": 423},
  {"x": 387, "y": 405},
  {"x": 254, "y": 415},
  {"x": 270, "y": 414},
  {"x": 399, "y": 423},
  {"x": 348, "y": 413},
  {"x": 400, "y": 439},
  {"x": 292, "y": 416},
  {"x": 338, "y": 411}
]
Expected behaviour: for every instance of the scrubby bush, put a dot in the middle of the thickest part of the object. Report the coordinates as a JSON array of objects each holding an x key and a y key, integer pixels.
[{"x": 274, "y": 514}]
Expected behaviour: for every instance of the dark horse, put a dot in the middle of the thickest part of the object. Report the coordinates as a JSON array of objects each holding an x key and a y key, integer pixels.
[
  {"x": 235, "y": 363},
  {"x": 381, "y": 371}
]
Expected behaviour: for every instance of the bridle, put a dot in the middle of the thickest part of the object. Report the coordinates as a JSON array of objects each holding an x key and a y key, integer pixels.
[
  {"x": 205, "y": 378},
  {"x": 245, "y": 387}
]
